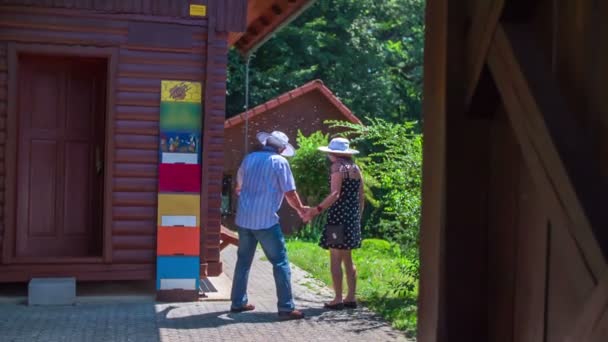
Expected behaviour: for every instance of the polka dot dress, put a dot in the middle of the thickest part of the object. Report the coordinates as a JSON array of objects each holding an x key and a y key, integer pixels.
[{"x": 345, "y": 211}]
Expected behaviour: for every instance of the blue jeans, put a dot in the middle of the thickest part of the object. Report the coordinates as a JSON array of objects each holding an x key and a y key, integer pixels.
[{"x": 273, "y": 244}]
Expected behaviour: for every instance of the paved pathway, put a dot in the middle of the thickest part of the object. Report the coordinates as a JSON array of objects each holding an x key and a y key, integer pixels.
[{"x": 204, "y": 321}]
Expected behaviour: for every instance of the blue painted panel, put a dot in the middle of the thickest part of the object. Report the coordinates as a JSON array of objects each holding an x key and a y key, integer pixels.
[{"x": 177, "y": 267}]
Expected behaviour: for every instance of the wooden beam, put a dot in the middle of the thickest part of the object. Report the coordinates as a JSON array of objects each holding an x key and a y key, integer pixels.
[
  {"x": 532, "y": 260},
  {"x": 555, "y": 151},
  {"x": 430, "y": 299},
  {"x": 594, "y": 309},
  {"x": 450, "y": 306},
  {"x": 485, "y": 15}
]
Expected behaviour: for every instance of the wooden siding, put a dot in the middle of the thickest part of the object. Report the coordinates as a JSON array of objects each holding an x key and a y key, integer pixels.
[
  {"x": 231, "y": 15},
  {"x": 140, "y": 67},
  {"x": 3, "y": 124},
  {"x": 213, "y": 147},
  {"x": 170, "y": 8}
]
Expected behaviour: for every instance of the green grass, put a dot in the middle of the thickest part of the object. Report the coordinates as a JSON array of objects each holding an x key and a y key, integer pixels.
[{"x": 379, "y": 265}]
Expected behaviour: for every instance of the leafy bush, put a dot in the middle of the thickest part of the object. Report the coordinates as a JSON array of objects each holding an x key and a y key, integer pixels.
[
  {"x": 310, "y": 171},
  {"x": 310, "y": 167}
]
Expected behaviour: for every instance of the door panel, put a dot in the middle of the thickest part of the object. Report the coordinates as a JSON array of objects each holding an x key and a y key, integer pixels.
[
  {"x": 61, "y": 106},
  {"x": 77, "y": 189},
  {"x": 46, "y": 89},
  {"x": 42, "y": 180}
]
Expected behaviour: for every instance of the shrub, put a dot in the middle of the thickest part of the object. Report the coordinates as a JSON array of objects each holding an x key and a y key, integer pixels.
[{"x": 310, "y": 171}]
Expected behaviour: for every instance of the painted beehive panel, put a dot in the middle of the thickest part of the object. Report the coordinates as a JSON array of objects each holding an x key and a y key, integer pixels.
[
  {"x": 179, "y": 178},
  {"x": 178, "y": 205},
  {"x": 180, "y": 116},
  {"x": 177, "y": 270},
  {"x": 178, "y": 241},
  {"x": 182, "y": 142}
]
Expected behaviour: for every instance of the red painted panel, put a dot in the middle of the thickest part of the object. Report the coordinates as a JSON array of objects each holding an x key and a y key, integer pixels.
[
  {"x": 179, "y": 178},
  {"x": 178, "y": 241}
]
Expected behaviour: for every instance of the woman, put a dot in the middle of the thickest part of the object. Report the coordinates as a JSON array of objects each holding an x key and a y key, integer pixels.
[{"x": 342, "y": 233}]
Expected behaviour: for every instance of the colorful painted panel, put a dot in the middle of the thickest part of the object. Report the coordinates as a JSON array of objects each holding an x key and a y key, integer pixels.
[
  {"x": 177, "y": 205},
  {"x": 177, "y": 267},
  {"x": 179, "y": 184},
  {"x": 180, "y": 116},
  {"x": 179, "y": 142},
  {"x": 179, "y": 148},
  {"x": 178, "y": 241},
  {"x": 181, "y": 91},
  {"x": 179, "y": 178}
]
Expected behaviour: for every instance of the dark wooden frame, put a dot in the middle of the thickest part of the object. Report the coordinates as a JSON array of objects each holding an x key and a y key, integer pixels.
[
  {"x": 485, "y": 276},
  {"x": 111, "y": 55}
]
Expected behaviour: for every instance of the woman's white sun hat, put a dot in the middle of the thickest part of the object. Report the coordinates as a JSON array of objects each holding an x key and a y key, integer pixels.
[
  {"x": 339, "y": 146},
  {"x": 277, "y": 138}
]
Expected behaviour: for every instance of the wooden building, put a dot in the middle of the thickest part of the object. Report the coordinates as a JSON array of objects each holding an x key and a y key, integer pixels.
[
  {"x": 514, "y": 235},
  {"x": 79, "y": 116},
  {"x": 305, "y": 108}
]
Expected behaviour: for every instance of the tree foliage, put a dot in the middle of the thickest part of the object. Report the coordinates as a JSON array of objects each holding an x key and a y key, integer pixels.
[{"x": 368, "y": 52}]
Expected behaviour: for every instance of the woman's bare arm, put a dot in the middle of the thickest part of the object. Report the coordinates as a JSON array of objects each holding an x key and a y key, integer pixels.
[{"x": 334, "y": 193}]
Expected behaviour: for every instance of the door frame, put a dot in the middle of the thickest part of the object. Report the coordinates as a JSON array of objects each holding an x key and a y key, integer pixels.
[{"x": 9, "y": 240}]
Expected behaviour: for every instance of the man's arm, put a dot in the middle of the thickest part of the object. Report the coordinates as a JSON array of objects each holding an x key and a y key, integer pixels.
[
  {"x": 294, "y": 201},
  {"x": 239, "y": 180},
  {"x": 288, "y": 186}
]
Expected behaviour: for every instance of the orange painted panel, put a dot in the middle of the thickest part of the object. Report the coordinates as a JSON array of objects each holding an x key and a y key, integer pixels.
[{"x": 178, "y": 241}]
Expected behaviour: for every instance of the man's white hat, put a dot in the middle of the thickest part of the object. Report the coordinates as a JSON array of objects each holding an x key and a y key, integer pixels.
[{"x": 277, "y": 138}]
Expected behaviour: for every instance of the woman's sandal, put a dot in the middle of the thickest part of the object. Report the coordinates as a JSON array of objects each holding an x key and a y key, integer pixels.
[
  {"x": 350, "y": 305},
  {"x": 337, "y": 306}
]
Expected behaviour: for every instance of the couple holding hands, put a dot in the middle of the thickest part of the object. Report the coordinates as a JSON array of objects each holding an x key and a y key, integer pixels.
[{"x": 264, "y": 179}]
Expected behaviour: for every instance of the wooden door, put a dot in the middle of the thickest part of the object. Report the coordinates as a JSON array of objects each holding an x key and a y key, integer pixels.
[{"x": 60, "y": 154}]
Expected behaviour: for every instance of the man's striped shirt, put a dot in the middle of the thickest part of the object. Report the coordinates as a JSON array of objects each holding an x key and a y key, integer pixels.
[{"x": 264, "y": 177}]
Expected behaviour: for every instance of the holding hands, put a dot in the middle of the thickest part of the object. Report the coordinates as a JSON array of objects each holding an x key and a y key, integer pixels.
[{"x": 308, "y": 213}]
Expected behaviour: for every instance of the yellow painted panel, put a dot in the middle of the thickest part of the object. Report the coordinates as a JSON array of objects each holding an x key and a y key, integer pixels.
[
  {"x": 179, "y": 204},
  {"x": 181, "y": 91},
  {"x": 198, "y": 10}
]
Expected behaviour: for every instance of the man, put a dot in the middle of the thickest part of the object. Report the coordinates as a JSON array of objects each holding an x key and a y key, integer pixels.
[{"x": 263, "y": 180}]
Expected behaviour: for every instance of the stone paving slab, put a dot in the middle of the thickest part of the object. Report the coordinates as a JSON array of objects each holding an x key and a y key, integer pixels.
[{"x": 203, "y": 321}]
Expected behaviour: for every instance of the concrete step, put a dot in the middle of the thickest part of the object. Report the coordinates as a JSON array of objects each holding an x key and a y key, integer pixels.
[{"x": 52, "y": 291}]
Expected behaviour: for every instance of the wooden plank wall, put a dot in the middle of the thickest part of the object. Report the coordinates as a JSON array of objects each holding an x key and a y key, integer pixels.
[
  {"x": 170, "y": 8},
  {"x": 3, "y": 114},
  {"x": 142, "y": 64},
  {"x": 213, "y": 140}
]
